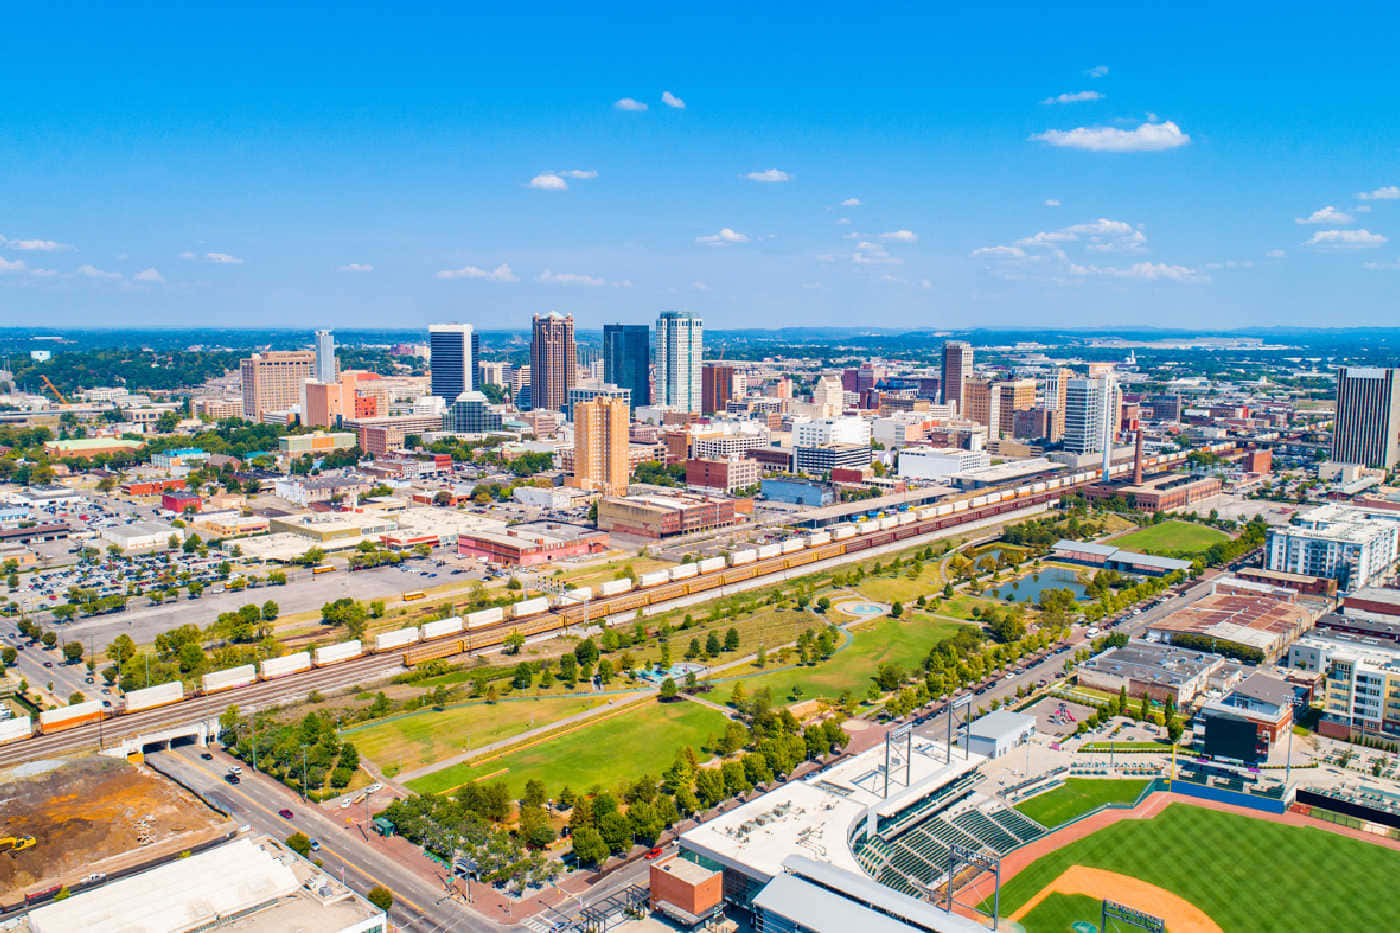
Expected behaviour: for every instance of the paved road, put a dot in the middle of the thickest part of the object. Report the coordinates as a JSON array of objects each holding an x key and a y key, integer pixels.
[{"x": 419, "y": 904}]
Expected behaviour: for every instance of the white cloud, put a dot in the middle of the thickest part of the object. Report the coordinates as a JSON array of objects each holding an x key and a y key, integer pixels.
[
  {"x": 844, "y": 220},
  {"x": 1347, "y": 239},
  {"x": 580, "y": 173},
  {"x": 901, "y": 236},
  {"x": 570, "y": 278},
  {"x": 92, "y": 272},
  {"x": 873, "y": 254},
  {"x": 851, "y": 202},
  {"x": 1077, "y": 97},
  {"x": 1361, "y": 209},
  {"x": 999, "y": 252},
  {"x": 1325, "y": 215},
  {"x": 7, "y": 265},
  {"x": 627, "y": 103},
  {"x": 1101, "y": 235},
  {"x": 700, "y": 286},
  {"x": 768, "y": 175},
  {"x": 1387, "y": 193},
  {"x": 1392, "y": 266},
  {"x": 501, "y": 273},
  {"x": 357, "y": 267},
  {"x": 671, "y": 100},
  {"x": 222, "y": 258},
  {"x": 43, "y": 273},
  {"x": 148, "y": 275},
  {"x": 1146, "y": 271},
  {"x": 1098, "y": 71},
  {"x": 33, "y": 246},
  {"x": 1230, "y": 264},
  {"x": 548, "y": 181},
  {"x": 1276, "y": 254},
  {"x": 1052, "y": 202},
  {"x": 1148, "y": 137},
  {"x": 723, "y": 238}
]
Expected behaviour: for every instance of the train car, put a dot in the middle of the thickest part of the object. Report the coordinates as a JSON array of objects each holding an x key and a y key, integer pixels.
[
  {"x": 701, "y": 584},
  {"x": 711, "y": 564},
  {"x": 151, "y": 697},
  {"x": 413, "y": 594},
  {"x": 529, "y": 607},
  {"x": 287, "y": 664},
  {"x": 340, "y": 651},
  {"x": 614, "y": 587},
  {"x": 441, "y": 649},
  {"x": 18, "y": 727},
  {"x": 439, "y": 627},
  {"x": 798, "y": 559},
  {"x": 384, "y": 641},
  {"x": 738, "y": 574},
  {"x": 485, "y": 617},
  {"x": 908, "y": 518},
  {"x": 240, "y": 676},
  {"x": 745, "y": 556},
  {"x": 69, "y": 717},
  {"x": 537, "y": 626},
  {"x": 766, "y": 551},
  {"x": 842, "y": 532},
  {"x": 979, "y": 501},
  {"x": 792, "y": 546},
  {"x": 962, "y": 505},
  {"x": 826, "y": 552},
  {"x": 817, "y": 539},
  {"x": 581, "y": 594},
  {"x": 655, "y": 578},
  {"x": 664, "y": 593},
  {"x": 626, "y": 603},
  {"x": 684, "y": 571},
  {"x": 886, "y": 522}
]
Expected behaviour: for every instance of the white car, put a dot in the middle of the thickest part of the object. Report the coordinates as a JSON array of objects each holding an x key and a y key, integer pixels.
[{"x": 374, "y": 788}]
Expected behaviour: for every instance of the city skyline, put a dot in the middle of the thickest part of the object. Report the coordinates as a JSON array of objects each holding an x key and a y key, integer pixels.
[{"x": 997, "y": 169}]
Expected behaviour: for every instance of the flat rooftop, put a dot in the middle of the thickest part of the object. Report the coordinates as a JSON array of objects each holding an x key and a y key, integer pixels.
[
  {"x": 1260, "y": 621},
  {"x": 1161, "y": 664}
]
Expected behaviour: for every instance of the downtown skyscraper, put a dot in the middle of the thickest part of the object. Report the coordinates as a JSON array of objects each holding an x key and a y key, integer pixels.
[
  {"x": 553, "y": 358},
  {"x": 679, "y": 347},
  {"x": 627, "y": 359},
  {"x": 452, "y": 362},
  {"x": 1367, "y": 430}
]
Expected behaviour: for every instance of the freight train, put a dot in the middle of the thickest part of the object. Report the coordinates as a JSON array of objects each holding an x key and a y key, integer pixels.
[{"x": 488, "y": 628}]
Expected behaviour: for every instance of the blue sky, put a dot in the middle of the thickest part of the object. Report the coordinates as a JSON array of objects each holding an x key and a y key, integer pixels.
[{"x": 990, "y": 165}]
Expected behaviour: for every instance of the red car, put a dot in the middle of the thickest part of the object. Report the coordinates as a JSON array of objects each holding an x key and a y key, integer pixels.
[
  {"x": 654, "y": 853},
  {"x": 285, "y": 814}
]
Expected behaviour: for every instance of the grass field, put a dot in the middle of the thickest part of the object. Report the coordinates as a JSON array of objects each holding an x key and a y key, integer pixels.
[
  {"x": 1171, "y": 537},
  {"x": 1058, "y": 911},
  {"x": 414, "y": 739},
  {"x": 642, "y": 740},
  {"x": 1247, "y": 874},
  {"x": 852, "y": 667},
  {"x": 1076, "y": 796}
]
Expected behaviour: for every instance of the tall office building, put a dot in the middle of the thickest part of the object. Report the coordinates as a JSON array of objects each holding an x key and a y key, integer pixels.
[
  {"x": 1055, "y": 385},
  {"x": 1090, "y": 414},
  {"x": 273, "y": 381},
  {"x": 451, "y": 364},
  {"x": 476, "y": 361},
  {"x": 679, "y": 347},
  {"x": 1367, "y": 429},
  {"x": 627, "y": 359},
  {"x": 716, "y": 387},
  {"x": 325, "y": 357},
  {"x": 600, "y": 445},
  {"x": 995, "y": 403},
  {"x": 957, "y": 369},
  {"x": 553, "y": 358}
]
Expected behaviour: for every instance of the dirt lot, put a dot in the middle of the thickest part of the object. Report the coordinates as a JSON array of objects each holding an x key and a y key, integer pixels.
[{"x": 93, "y": 815}]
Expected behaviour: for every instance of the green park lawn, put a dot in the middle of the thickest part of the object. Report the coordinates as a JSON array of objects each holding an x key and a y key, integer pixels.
[
  {"x": 1171, "y": 537},
  {"x": 885, "y": 641},
  {"x": 411, "y": 740},
  {"x": 1076, "y": 796},
  {"x": 1247, "y": 874},
  {"x": 642, "y": 740}
]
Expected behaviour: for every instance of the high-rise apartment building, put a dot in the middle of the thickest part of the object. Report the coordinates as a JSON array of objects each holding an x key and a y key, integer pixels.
[
  {"x": 273, "y": 381},
  {"x": 553, "y": 358},
  {"x": 600, "y": 445},
  {"x": 627, "y": 359},
  {"x": 1089, "y": 414},
  {"x": 1055, "y": 385},
  {"x": 452, "y": 360},
  {"x": 679, "y": 347},
  {"x": 324, "y": 370},
  {"x": 957, "y": 369},
  {"x": 1367, "y": 429},
  {"x": 716, "y": 387}
]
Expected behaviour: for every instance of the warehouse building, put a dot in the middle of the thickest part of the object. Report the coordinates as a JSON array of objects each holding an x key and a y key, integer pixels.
[
  {"x": 1254, "y": 627},
  {"x": 1153, "y": 670},
  {"x": 658, "y": 516}
]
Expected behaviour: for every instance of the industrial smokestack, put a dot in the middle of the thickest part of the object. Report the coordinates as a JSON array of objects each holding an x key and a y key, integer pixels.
[{"x": 1137, "y": 460}]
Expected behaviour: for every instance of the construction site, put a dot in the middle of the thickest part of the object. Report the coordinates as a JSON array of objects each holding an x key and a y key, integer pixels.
[{"x": 64, "y": 824}]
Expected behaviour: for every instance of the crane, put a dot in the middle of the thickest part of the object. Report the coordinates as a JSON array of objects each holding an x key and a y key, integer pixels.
[
  {"x": 53, "y": 388},
  {"x": 17, "y": 843}
]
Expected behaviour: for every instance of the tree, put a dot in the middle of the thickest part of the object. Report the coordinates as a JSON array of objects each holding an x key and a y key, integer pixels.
[
  {"x": 589, "y": 847},
  {"x": 514, "y": 642},
  {"x": 48, "y": 639},
  {"x": 72, "y": 652},
  {"x": 381, "y": 897},
  {"x": 731, "y": 639},
  {"x": 712, "y": 645},
  {"x": 299, "y": 843},
  {"x": 9, "y": 654},
  {"x": 270, "y": 611},
  {"x": 668, "y": 690},
  {"x": 896, "y": 609}
]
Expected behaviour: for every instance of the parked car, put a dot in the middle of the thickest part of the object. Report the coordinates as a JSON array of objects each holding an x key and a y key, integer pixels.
[{"x": 285, "y": 814}]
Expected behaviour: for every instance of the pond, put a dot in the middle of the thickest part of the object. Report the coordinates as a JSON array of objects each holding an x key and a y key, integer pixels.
[{"x": 1028, "y": 588}]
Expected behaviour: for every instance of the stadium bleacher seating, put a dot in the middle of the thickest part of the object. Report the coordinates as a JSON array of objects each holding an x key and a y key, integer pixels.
[
  {"x": 1018, "y": 824},
  {"x": 978, "y": 824}
]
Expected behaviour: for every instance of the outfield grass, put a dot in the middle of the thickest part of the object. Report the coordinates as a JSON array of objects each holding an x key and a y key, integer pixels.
[
  {"x": 1077, "y": 796},
  {"x": 1172, "y": 537},
  {"x": 885, "y": 641},
  {"x": 412, "y": 740},
  {"x": 642, "y": 740},
  {"x": 1247, "y": 874}
]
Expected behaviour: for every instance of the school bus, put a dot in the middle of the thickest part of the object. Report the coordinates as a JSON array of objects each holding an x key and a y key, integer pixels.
[
  {"x": 324, "y": 568},
  {"x": 415, "y": 594}
]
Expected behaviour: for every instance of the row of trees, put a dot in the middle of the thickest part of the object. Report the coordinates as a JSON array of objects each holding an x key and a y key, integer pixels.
[{"x": 306, "y": 755}]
